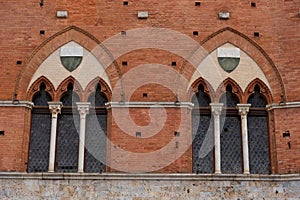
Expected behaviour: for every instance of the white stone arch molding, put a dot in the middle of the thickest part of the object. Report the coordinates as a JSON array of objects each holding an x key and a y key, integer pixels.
[
  {"x": 53, "y": 69},
  {"x": 246, "y": 71}
]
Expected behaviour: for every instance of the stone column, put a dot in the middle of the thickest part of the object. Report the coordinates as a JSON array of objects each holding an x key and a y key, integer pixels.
[
  {"x": 83, "y": 108},
  {"x": 243, "y": 111},
  {"x": 55, "y": 108},
  {"x": 216, "y": 109}
]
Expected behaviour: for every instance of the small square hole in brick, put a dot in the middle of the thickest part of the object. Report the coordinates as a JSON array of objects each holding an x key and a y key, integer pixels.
[
  {"x": 176, "y": 133},
  {"x": 256, "y": 34},
  {"x": 253, "y": 4},
  {"x": 124, "y": 63},
  {"x": 197, "y": 3},
  {"x": 1, "y": 132},
  {"x": 138, "y": 134},
  {"x": 42, "y": 32},
  {"x": 125, "y": 3},
  {"x": 195, "y": 33},
  {"x": 174, "y": 64},
  {"x": 19, "y": 62},
  {"x": 123, "y": 32},
  {"x": 145, "y": 95}
]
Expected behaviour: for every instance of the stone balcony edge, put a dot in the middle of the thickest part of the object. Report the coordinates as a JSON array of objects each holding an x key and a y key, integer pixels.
[{"x": 151, "y": 177}]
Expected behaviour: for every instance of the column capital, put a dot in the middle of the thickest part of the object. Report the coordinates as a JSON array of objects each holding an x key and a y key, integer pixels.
[
  {"x": 216, "y": 108},
  {"x": 83, "y": 108},
  {"x": 55, "y": 108},
  {"x": 243, "y": 109}
]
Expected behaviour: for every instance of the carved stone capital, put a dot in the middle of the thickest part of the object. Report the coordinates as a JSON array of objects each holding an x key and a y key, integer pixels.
[
  {"x": 216, "y": 108},
  {"x": 83, "y": 108},
  {"x": 243, "y": 109},
  {"x": 55, "y": 108}
]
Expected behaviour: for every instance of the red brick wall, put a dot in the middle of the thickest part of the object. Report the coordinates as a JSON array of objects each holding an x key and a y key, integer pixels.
[
  {"x": 276, "y": 51},
  {"x": 15, "y": 122},
  {"x": 288, "y": 158}
]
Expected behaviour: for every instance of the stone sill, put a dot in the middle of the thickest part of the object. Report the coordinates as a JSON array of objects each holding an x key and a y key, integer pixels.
[{"x": 155, "y": 177}]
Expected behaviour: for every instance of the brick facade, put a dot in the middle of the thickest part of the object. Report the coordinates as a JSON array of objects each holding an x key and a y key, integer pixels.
[{"x": 92, "y": 24}]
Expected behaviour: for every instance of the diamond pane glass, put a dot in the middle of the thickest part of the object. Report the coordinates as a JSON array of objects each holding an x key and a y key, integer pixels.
[
  {"x": 258, "y": 145},
  {"x": 95, "y": 151},
  {"x": 231, "y": 152},
  {"x": 39, "y": 143},
  {"x": 67, "y": 143},
  {"x": 202, "y": 144}
]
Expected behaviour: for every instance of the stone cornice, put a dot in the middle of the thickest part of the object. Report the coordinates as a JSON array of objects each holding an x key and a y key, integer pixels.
[
  {"x": 149, "y": 105},
  {"x": 16, "y": 103},
  {"x": 283, "y": 105},
  {"x": 147, "y": 176}
]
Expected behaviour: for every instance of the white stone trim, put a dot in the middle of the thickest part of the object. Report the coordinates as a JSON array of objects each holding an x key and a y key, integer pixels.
[
  {"x": 83, "y": 108},
  {"x": 55, "y": 109},
  {"x": 71, "y": 51},
  {"x": 273, "y": 106},
  {"x": 188, "y": 105},
  {"x": 148, "y": 176},
  {"x": 228, "y": 52},
  {"x": 216, "y": 109},
  {"x": 243, "y": 111},
  {"x": 16, "y": 103}
]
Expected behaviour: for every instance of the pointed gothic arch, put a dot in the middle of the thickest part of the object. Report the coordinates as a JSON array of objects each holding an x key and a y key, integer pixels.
[
  {"x": 51, "y": 44},
  {"x": 236, "y": 89},
  {"x": 35, "y": 87},
  {"x": 255, "y": 51}
]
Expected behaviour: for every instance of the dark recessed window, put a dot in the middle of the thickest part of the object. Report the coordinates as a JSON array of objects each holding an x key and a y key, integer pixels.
[
  {"x": 197, "y": 3},
  {"x": 124, "y": 63},
  {"x": 1, "y": 132},
  {"x": 256, "y": 34},
  {"x": 125, "y": 3},
  {"x": 145, "y": 95},
  {"x": 195, "y": 33},
  {"x": 138, "y": 134},
  {"x": 174, "y": 64},
  {"x": 42, "y": 32},
  {"x": 253, "y": 4},
  {"x": 19, "y": 62}
]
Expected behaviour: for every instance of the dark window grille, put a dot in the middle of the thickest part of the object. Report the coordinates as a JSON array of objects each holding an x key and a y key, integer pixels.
[
  {"x": 40, "y": 132},
  {"x": 202, "y": 133},
  {"x": 95, "y": 149},
  {"x": 258, "y": 134},
  {"x": 231, "y": 147}
]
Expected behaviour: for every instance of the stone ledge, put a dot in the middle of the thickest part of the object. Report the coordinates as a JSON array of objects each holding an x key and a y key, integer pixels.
[
  {"x": 283, "y": 105},
  {"x": 159, "y": 177},
  {"x": 149, "y": 105},
  {"x": 16, "y": 103}
]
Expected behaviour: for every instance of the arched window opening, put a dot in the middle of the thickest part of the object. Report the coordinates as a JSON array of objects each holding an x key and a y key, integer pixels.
[
  {"x": 259, "y": 160},
  {"x": 202, "y": 133},
  {"x": 69, "y": 98},
  {"x": 95, "y": 144},
  {"x": 230, "y": 126},
  {"x": 40, "y": 131},
  {"x": 68, "y": 133},
  {"x": 228, "y": 98}
]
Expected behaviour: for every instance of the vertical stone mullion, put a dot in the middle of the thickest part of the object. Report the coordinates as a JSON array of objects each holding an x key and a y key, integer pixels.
[
  {"x": 83, "y": 108},
  {"x": 55, "y": 109},
  {"x": 216, "y": 109},
  {"x": 243, "y": 111}
]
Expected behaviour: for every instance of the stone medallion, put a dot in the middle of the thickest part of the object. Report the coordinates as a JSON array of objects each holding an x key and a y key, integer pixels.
[{"x": 228, "y": 58}]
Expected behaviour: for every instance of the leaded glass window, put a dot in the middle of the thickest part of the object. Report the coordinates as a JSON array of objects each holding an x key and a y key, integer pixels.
[
  {"x": 258, "y": 134},
  {"x": 40, "y": 132},
  {"x": 202, "y": 133},
  {"x": 231, "y": 147},
  {"x": 68, "y": 133},
  {"x": 95, "y": 149}
]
